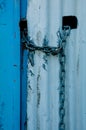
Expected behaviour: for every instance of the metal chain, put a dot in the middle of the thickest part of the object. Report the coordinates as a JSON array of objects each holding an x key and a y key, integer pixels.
[
  {"x": 62, "y": 87},
  {"x": 62, "y": 90},
  {"x": 62, "y": 38},
  {"x": 30, "y": 45}
]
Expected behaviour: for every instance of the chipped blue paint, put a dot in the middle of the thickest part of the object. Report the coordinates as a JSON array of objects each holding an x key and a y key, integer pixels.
[{"x": 9, "y": 65}]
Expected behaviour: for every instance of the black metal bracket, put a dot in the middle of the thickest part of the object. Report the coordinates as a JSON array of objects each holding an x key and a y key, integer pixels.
[
  {"x": 71, "y": 21},
  {"x": 23, "y": 24}
]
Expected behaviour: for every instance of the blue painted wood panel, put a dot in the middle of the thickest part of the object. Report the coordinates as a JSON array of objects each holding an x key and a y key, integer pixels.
[{"x": 9, "y": 65}]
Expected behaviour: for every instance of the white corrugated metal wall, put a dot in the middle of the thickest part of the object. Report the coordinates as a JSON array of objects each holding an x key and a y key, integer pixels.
[
  {"x": 44, "y": 19},
  {"x": 75, "y": 67}
]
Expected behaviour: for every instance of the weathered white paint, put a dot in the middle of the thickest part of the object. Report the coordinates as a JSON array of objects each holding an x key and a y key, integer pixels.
[
  {"x": 44, "y": 19},
  {"x": 43, "y": 99},
  {"x": 75, "y": 67}
]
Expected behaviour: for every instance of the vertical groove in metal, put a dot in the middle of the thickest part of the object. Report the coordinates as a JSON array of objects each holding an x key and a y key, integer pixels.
[{"x": 24, "y": 58}]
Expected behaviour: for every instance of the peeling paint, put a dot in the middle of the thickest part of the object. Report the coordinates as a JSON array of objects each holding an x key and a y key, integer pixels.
[
  {"x": 29, "y": 90},
  {"x": 31, "y": 73},
  {"x": 44, "y": 66},
  {"x": 38, "y": 90},
  {"x": 15, "y": 65},
  {"x": 45, "y": 59},
  {"x": 31, "y": 58},
  {"x": 45, "y": 41},
  {"x": 30, "y": 87}
]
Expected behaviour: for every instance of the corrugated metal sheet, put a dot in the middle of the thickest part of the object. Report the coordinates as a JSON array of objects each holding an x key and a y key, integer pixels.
[
  {"x": 44, "y": 19},
  {"x": 75, "y": 68},
  {"x": 43, "y": 77}
]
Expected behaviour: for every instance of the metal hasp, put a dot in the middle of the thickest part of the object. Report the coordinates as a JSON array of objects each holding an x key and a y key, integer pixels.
[
  {"x": 23, "y": 30},
  {"x": 69, "y": 21},
  {"x": 23, "y": 24}
]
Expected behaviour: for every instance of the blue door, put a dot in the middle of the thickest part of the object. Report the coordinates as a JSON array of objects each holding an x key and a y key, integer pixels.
[{"x": 9, "y": 65}]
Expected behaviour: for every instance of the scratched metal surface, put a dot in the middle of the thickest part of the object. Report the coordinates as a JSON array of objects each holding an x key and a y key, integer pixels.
[
  {"x": 76, "y": 67},
  {"x": 43, "y": 75},
  {"x": 9, "y": 65},
  {"x": 44, "y": 19}
]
